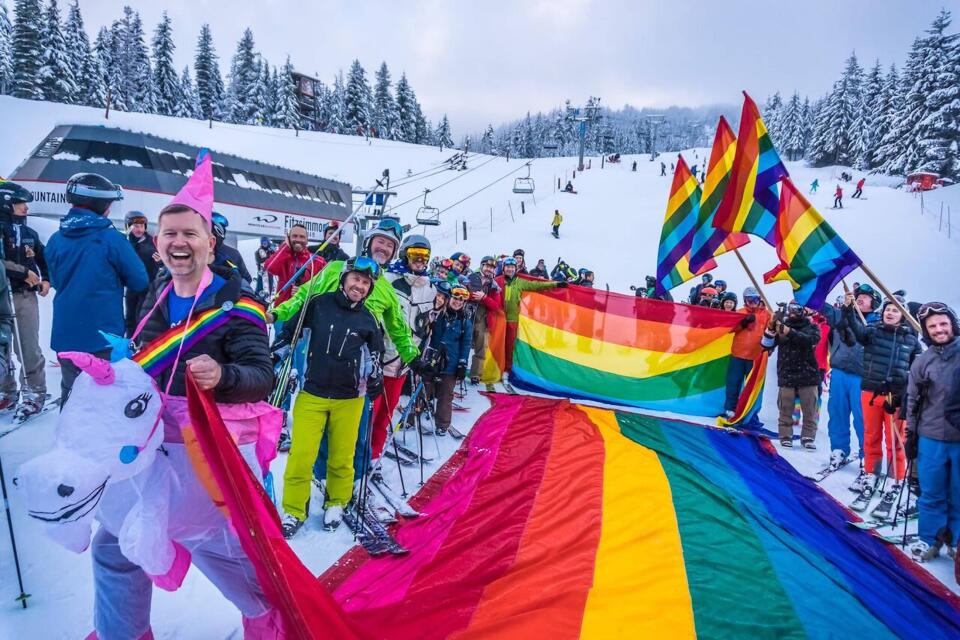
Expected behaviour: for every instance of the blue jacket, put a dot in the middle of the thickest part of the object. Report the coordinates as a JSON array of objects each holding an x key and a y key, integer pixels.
[
  {"x": 452, "y": 332},
  {"x": 90, "y": 263}
]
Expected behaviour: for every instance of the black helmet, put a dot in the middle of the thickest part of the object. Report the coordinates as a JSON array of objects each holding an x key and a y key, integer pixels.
[
  {"x": 134, "y": 216},
  {"x": 220, "y": 224},
  {"x": 361, "y": 264},
  {"x": 728, "y": 295},
  {"x": 11, "y": 193},
  {"x": 651, "y": 281},
  {"x": 706, "y": 278},
  {"x": 92, "y": 191}
]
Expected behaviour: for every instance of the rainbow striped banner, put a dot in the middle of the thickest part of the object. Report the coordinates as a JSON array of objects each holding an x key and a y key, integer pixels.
[
  {"x": 676, "y": 236},
  {"x": 708, "y": 241},
  {"x": 558, "y": 521},
  {"x": 585, "y": 343},
  {"x": 748, "y": 404},
  {"x": 751, "y": 199},
  {"x": 494, "y": 347}
]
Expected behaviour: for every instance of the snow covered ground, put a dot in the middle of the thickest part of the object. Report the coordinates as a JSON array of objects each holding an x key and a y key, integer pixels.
[{"x": 611, "y": 226}]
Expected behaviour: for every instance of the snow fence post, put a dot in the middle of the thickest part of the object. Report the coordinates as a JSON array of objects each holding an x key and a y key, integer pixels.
[
  {"x": 464, "y": 230},
  {"x": 491, "y": 219},
  {"x": 510, "y": 206}
]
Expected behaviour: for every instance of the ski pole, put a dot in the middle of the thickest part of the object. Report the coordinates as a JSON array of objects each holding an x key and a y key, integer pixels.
[{"x": 13, "y": 542}]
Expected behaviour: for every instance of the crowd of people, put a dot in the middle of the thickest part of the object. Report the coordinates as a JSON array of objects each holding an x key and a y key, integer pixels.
[{"x": 396, "y": 314}]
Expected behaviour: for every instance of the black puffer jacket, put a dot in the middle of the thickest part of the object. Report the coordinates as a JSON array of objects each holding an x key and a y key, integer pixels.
[
  {"x": 346, "y": 346},
  {"x": 888, "y": 352},
  {"x": 796, "y": 353},
  {"x": 239, "y": 346}
]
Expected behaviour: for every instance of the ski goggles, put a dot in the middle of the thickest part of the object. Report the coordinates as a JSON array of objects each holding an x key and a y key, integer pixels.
[
  {"x": 137, "y": 220},
  {"x": 460, "y": 293},
  {"x": 464, "y": 259},
  {"x": 489, "y": 263},
  {"x": 366, "y": 265},
  {"x": 446, "y": 263},
  {"x": 391, "y": 226},
  {"x": 931, "y": 309},
  {"x": 752, "y": 299},
  {"x": 418, "y": 254}
]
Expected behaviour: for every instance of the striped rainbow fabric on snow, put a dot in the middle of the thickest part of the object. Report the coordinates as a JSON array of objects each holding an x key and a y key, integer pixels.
[
  {"x": 557, "y": 521},
  {"x": 585, "y": 343}
]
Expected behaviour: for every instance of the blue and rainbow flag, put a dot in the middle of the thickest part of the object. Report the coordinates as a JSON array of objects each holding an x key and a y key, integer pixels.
[{"x": 676, "y": 237}]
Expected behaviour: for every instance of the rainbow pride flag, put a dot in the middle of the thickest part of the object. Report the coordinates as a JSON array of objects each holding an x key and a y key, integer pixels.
[
  {"x": 751, "y": 199},
  {"x": 494, "y": 348},
  {"x": 676, "y": 237},
  {"x": 708, "y": 241},
  {"x": 586, "y": 343},
  {"x": 813, "y": 258},
  {"x": 748, "y": 404},
  {"x": 558, "y": 521}
]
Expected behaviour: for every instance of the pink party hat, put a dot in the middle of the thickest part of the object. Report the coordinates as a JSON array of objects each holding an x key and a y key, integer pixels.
[{"x": 197, "y": 193}]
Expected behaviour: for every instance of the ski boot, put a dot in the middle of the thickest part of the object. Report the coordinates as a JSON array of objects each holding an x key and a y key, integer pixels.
[
  {"x": 808, "y": 444},
  {"x": 474, "y": 380},
  {"x": 786, "y": 443},
  {"x": 29, "y": 406},
  {"x": 862, "y": 501},
  {"x": 8, "y": 401},
  {"x": 836, "y": 458},
  {"x": 332, "y": 517},
  {"x": 290, "y": 525},
  {"x": 441, "y": 431},
  {"x": 859, "y": 483},
  {"x": 887, "y": 502},
  {"x": 923, "y": 552}
]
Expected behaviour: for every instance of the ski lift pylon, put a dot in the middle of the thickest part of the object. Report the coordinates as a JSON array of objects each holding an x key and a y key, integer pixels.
[
  {"x": 524, "y": 185},
  {"x": 427, "y": 215}
]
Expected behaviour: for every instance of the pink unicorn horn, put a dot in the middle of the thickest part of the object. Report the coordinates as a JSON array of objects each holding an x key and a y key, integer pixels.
[{"x": 98, "y": 369}]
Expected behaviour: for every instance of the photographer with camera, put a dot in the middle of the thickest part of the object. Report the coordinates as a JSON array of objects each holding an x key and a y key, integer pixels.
[
  {"x": 933, "y": 430},
  {"x": 795, "y": 337}
]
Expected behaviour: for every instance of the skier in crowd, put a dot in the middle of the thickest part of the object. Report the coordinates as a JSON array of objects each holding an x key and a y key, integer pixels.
[
  {"x": 26, "y": 268},
  {"x": 444, "y": 363},
  {"x": 513, "y": 287},
  {"x": 540, "y": 271},
  {"x": 838, "y": 198},
  {"x": 332, "y": 251},
  {"x": 346, "y": 347},
  {"x": 443, "y": 272},
  {"x": 728, "y": 301},
  {"x": 650, "y": 290},
  {"x": 584, "y": 278},
  {"x": 705, "y": 280},
  {"x": 143, "y": 244},
  {"x": 289, "y": 258},
  {"x": 859, "y": 190},
  {"x": 814, "y": 186},
  {"x": 90, "y": 263},
  {"x": 233, "y": 362},
  {"x": 225, "y": 255},
  {"x": 746, "y": 347},
  {"x": 889, "y": 348},
  {"x": 709, "y": 297},
  {"x": 562, "y": 272},
  {"x": 484, "y": 293},
  {"x": 461, "y": 264},
  {"x": 933, "y": 431},
  {"x": 264, "y": 285},
  {"x": 846, "y": 361},
  {"x": 520, "y": 257},
  {"x": 790, "y": 331}
]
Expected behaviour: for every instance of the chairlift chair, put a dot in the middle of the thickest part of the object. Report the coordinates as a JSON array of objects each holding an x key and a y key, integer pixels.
[
  {"x": 427, "y": 215},
  {"x": 524, "y": 185}
]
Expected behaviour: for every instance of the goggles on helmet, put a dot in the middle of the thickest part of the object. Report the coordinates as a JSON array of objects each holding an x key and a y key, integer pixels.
[
  {"x": 364, "y": 264},
  {"x": 460, "y": 293},
  {"x": 932, "y": 309},
  {"x": 446, "y": 263},
  {"x": 415, "y": 254}
]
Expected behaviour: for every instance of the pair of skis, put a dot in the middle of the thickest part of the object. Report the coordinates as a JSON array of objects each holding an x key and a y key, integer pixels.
[
  {"x": 17, "y": 422},
  {"x": 367, "y": 526}
]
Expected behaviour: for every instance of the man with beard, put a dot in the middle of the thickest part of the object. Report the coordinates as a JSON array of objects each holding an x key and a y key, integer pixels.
[
  {"x": 289, "y": 259},
  {"x": 142, "y": 243}
]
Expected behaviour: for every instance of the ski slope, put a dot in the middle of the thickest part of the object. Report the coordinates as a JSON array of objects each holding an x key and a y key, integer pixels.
[{"x": 611, "y": 226}]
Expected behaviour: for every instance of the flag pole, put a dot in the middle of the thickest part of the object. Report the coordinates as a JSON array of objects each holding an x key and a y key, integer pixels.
[
  {"x": 846, "y": 289},
  {"x": 756, "y": 285},
  {"x": 890, "y": 297}
]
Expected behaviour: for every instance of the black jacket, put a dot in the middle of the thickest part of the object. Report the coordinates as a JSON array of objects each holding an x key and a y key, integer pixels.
[
  {"x": 239, "y": 346},
  {"x": 17, "y": 238},
  {"x": 332, "y": 253},
  {"x": 539, "y": 273},
  {"x": 227, "y": 256},
  {"x": 796, "y": 353},
  {"x": 346, "y": 345},
  {"x": 888, "y": 352},
  {"x": 145, "y": 249}
]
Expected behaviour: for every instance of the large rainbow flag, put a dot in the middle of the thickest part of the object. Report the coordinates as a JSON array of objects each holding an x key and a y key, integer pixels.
[
  {"x": 709, "y": 241},
  {"x": 494, "y": 348},
  {"x": 676, "y": 235},
  {"x": 586, "y": 343},
  {"x": 558, "y": 521},
  {"x": 751, "y": 199},
  {"x": 813, "y": 258}
]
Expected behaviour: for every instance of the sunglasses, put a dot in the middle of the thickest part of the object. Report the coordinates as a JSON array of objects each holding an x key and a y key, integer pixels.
[
  {"x": 460, "y": 293},
  {"x": 418, "y": 254}
]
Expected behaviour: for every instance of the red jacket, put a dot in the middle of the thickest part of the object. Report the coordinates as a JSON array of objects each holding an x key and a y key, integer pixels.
[
  {"x": 838, "y": 193},
  {"x": 860, "y": 183},
  {"x": 284, "y": 263}
]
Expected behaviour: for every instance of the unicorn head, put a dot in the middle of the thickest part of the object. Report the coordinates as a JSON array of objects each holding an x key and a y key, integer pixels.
[{"x": 109, "y": 431}]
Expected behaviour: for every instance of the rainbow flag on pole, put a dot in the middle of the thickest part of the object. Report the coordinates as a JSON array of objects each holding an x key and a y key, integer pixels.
[
  {"x": 709, "y": 241},
  {"x": 559, "y": 521},
  {"x": 813, "y": 258},
  {"x": 494, "y": 347},
  {"x": 751, "y": 199},
  {"x": 584, "y": 343},
  {"x": 676, "y": 237}
]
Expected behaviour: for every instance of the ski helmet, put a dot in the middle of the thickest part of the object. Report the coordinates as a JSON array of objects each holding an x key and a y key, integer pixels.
[
  {"x": 708, "y": 292},
  {"x": 651, "y": 281},
  {"x": 10, "y": 194},
  {"x": 264, "y": 241},
  {"x": 134, "y": 217},
  {"x": 417, "y": 241},
  {"x": 364, "y": 265},
  {"x": 443, "y": 288},
  {"x": 92, "y": 191},
  {"x": 751, "y": 294},
  {"x": 937, "y": 308},
  {"x": 488, "y": 260},
  {"x": 706, "y": 278},
  {"x": 509, "y": 262},
  {"x": 720, "y": 283},
  {"x": 519, "y": 252},
  {"x": 220, "y": 225},
  {"x": 867, "y": 290},
  {"x": 387, "y": 228},
  {"x": 728, "y": 295},
  {"x": 333, "y": 225}
]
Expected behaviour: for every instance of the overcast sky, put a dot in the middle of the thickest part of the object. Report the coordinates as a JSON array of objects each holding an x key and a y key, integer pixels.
[{"x": 492, "y": 60}]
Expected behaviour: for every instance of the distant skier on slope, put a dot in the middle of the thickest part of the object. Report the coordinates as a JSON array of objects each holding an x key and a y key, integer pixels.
[
  {"x": 557, "y": 220},
  {"x": 838, "y": 198},
  {"x": 814, "y": 186},
  {"x": 859, "y": 191},
  {"x": 663, "y": 169}
]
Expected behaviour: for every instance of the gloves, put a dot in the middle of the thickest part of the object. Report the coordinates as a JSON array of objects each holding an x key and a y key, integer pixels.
[
  {"x": 912, "y": 446},
  {"x": 748, "y": 320},
  {"x": 563, "y": 284},
  {"x": 461, "y": 372},
  {"x": 892, "y": 406},
  {"x": 418, "y": 366},
  {"x": 374, "y": 386}
]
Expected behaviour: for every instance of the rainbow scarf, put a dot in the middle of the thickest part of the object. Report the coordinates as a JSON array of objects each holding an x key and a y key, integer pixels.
[
  {"x": 558, "y": 521},
  {"x": 159, "y": 354},
  {"x": 619, "y": 349}
]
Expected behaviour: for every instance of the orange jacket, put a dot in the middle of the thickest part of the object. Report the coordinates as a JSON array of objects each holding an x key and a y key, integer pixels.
[{"x": 746, "y": 342}]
